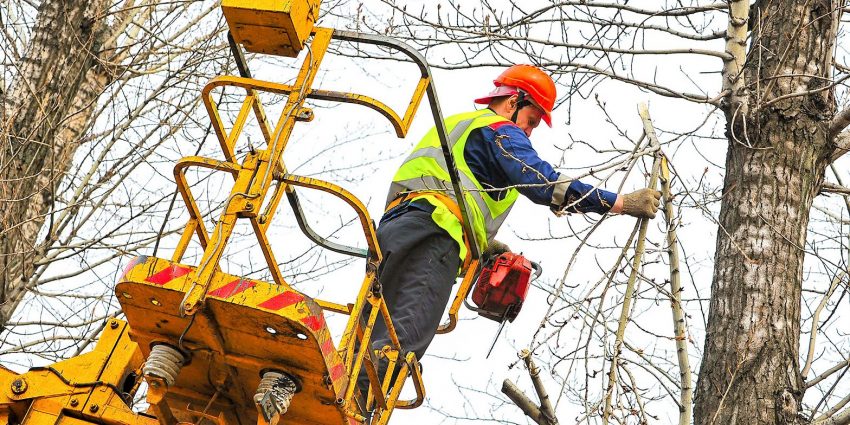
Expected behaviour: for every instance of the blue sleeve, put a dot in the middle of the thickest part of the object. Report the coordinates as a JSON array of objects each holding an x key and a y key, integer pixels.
[
  {"x": 534, "y": 176},
  {"x": 583, "y": 198}
]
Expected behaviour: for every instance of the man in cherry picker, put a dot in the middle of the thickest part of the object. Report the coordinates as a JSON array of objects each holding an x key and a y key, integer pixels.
[{"x": 420, "y": 234}]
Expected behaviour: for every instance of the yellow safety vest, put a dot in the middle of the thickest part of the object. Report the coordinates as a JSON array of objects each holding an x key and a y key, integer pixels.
[{"x": 424, "y": 175}]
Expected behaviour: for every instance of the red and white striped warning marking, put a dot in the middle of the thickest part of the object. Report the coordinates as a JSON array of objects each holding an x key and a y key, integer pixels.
[
  {"x": 170, "y": 273},
  {"x": 233, "y": 288}
]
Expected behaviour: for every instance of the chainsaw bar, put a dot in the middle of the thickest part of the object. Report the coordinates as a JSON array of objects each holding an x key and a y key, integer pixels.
[{"x": 499, "y": 332}]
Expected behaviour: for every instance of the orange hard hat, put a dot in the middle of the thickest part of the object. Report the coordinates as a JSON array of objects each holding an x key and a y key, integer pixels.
[{"x": 531, "y": 80}]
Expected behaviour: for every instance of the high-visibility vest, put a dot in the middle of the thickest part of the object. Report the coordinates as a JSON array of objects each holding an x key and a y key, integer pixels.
[{"x": 424, "y": 175}]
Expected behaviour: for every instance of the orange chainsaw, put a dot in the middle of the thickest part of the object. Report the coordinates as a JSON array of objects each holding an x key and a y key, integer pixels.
[{"x": 502, "y": 287}]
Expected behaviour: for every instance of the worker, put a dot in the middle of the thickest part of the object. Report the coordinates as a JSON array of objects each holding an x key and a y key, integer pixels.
[{"x": 420, "y": 234}]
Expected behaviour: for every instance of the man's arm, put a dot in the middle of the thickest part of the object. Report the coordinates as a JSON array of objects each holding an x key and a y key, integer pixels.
[{"x": 537, "y": 180}]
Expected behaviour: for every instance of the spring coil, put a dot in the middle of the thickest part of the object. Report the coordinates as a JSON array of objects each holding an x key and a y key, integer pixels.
[
  {"x": 164, "y": 362},
  {"x": 274, "y": 394}
]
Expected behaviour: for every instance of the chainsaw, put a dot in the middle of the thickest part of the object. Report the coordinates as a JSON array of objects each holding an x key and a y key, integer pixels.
[{"x": 501, "y": 288}]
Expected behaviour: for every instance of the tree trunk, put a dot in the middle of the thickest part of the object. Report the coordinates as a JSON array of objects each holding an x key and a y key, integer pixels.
[
  {"x": 48, "y": 109},
  {"x": 777, "y": 155}
]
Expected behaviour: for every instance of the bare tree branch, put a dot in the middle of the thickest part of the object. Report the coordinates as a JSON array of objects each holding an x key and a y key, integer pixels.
[
  {"x": 839, "y": 123},
  {"x": 842, "y": 146},
  {"x": 520, "y": 399}
]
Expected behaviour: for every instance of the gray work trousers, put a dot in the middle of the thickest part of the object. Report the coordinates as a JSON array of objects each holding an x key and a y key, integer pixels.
[{"x": 419, "y": 267}]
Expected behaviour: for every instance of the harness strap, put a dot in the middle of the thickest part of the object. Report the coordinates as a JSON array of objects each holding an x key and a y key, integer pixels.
[{"x": 448, "y": 203}]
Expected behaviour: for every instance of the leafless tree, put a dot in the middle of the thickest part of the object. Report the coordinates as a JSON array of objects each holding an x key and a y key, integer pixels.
[
  {"x": 112, "y": 89},
  {"x": 92, "y": 92}
]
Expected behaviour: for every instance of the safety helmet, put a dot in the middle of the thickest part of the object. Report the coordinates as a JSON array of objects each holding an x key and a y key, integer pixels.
[{"x": 530, "y": 80}]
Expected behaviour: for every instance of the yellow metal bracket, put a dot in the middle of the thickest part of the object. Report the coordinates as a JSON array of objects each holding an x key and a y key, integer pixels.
[
  {"x": 96, "y": 387},
  {"x": 462, "y": 292},
  {"x": 253, "y": 175},
  {"x": 227, "y": 331}
]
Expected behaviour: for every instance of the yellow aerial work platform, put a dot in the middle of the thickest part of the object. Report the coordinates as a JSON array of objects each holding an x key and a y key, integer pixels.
[{"x": 216, "y": 348}]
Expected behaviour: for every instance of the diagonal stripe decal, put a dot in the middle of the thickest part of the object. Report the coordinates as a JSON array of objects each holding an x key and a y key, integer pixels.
[
  {"x": 280, "y": 301},
  {"x": 301, "y": 313},
  {"x": 232, "y": 288},
  {"x": 327, "y": 347},
  {"x": 133, "y": 263},
  {"x": 314, "y": 322},
  {"x": 170, "y": 273},
  {"x": 337, "y": 372}
]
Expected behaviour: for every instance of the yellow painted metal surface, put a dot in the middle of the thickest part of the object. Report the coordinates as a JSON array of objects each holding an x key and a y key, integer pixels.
[
  {"x": 247, "y": 327},
  {"x": 231, "y": 330},
  {"x": 95, "y": 387},
  {"x": 239, "y": 335},
  {"x": 462, "y": 293},
  {"x": 253, "y": 180},
  {"x": 276, "y": 27}
]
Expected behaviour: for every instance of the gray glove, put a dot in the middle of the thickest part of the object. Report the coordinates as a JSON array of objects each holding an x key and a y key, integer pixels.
[
  {"x": 493, "y": 250},
  {"x": 641, "y": 203}
]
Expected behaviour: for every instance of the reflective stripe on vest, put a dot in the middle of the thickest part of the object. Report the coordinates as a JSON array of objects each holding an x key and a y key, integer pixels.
[{"x": 425, "y": 171}]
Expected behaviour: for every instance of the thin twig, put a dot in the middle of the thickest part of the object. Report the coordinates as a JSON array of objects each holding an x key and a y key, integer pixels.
[{"x": 815, "y": 321}]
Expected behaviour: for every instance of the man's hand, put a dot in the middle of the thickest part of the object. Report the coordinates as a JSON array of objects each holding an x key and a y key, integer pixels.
[
  {"x": 494, "y": 249},
  {"x": 641, "y": 203}
]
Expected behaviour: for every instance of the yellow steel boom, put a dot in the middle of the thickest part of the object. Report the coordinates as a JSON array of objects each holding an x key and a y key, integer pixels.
[{"x": 217, "y": 348}]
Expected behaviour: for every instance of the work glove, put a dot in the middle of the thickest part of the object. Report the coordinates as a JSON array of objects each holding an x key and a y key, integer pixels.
[
  {"x": 641, "y": 203},
  {"x": 494, "y": 249}
]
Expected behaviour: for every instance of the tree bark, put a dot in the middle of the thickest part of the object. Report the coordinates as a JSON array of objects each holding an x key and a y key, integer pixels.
[
  {"x": 775, "y": 165},
  {"x": 48, "y": 110}
]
